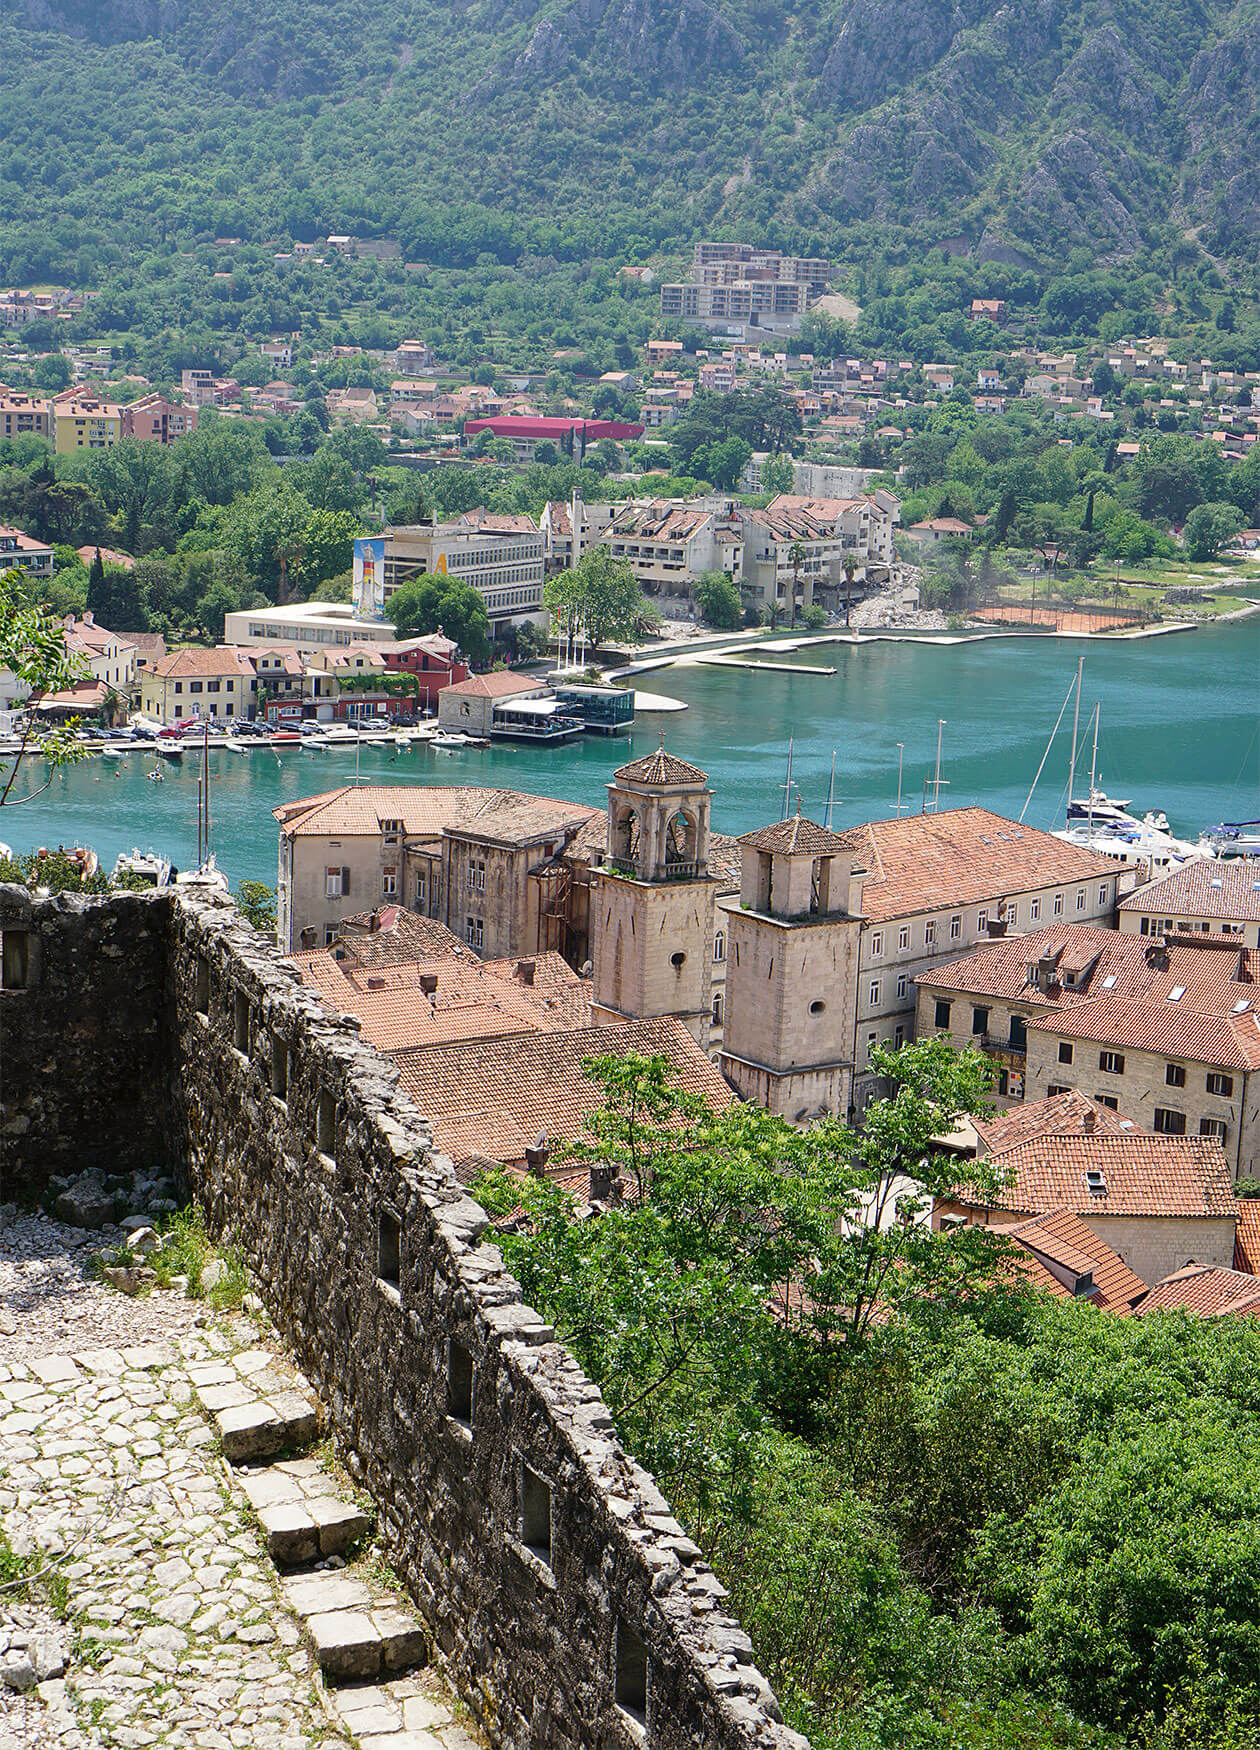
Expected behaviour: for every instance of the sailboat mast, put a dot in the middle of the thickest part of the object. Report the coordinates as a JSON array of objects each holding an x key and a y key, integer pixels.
[
  {"x": 936, "y": 794},
  {"x": 1076, "y": 723},
  {"x": 901, "y": 763},
  {"x": 831, "y": 790},
  {"x": 787, "y": 783},
  {"x": 1093, "y": 764}
]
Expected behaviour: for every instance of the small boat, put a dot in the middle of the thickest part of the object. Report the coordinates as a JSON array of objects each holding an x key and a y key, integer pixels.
[
  {"x": 1100, "y": 807},
  {"x": 286, "y": 738},
  {"x": 1134, "y": 843},
  {"x": 236, "y": 744},
  {"x": 111, "y": 754},
  {"x": 171, "y": 751},
  {"x": 340, "y": 733},
  {"x": 312, "y": 745},
  {"x": 449, "y": 738},
  {"x": 402, "y": 739},
  {"x": 1234, "y": 838},
  {"x": 148, "y": 865},
  {"x": 208, "y": 878}
]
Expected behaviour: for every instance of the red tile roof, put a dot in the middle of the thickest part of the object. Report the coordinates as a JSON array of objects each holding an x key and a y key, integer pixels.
[
  {"x": 796, "y": 837},
  {"x": 502, "y": 685},
  {"x": 1247, "y": 1236},
  {"x": 661, "y": 768},
  {"x": 1169, "y": 1028},
  {"x": 181, "y": 664},
  {"x": 427, "y": 811},
  {"x": 1137, "y": 1174},
  {"x": 1212, "y": 1293},
  {"x": 493, "y": 1100},
  {"x": 1060, "y": 1115},
  {"x": 1059, "y": 1249},
  {"x": 961, "y": 856},
  {"x": 1203, "y": 888},
  {"x": 469, "y": 1000}
]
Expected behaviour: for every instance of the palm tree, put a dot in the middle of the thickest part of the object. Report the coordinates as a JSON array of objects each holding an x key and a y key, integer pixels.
[{"x": 796, "y": 553}]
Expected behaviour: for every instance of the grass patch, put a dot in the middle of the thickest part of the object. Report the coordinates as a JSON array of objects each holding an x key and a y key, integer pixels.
[
  {"x": 24, "y": 1578},
  {"x": 187, "y": 1251}
]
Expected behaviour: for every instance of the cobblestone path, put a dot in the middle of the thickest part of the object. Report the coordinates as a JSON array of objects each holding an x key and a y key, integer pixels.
[{"x": 176, "y": 1628}]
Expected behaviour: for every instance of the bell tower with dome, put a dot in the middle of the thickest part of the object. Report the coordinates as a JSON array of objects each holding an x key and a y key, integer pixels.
[{"x": 653, "y": 899}]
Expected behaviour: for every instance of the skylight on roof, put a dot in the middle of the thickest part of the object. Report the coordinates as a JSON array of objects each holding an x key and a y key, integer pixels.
[
  {"x": 1095, "y": 1184},
  {"x": 1242, "y": 1005},
  {"x": 1216, "y": 881},
  {"x": 1176, "y": 993}
]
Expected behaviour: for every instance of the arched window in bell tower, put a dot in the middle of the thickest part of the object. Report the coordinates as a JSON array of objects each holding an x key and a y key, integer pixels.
[{"x": 680, "y": 840}]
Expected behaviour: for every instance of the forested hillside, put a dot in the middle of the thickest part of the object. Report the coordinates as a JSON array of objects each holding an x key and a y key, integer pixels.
[{"x": 609, "y": 128}]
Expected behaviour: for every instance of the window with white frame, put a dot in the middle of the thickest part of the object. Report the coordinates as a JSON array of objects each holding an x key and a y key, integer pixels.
[
  {"x": 719, "y": 947},
  {"x": 929, "y": 934},
  {"x": 901, "y": 986},
  {"x": 955, "y": 929},
  {"x": 903, "y": 937},
  {"x": 1102, "y": 895},
  {"x": 877, "y": 944},
  {"x": 389, "y": 879},
  {"x": 1034, "y": 910},
  {"x": 474, "y": 932},
  {"x": 1058, "y": 905},
  {"x": 477, "y": 874},
  {"x": 332, "y": 883},
  {"x": 874, "y": 993},
  {"x": 1080, "y": 899},
  {"x": 421, "y": 889}
]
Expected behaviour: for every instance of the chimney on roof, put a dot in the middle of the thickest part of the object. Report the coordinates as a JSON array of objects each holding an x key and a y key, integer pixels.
[
  {"x": 374, "y": 923},
  {"x": 603, "y": 1177},
  {"x": 525, "y": 971},
  {"x": 1091, "y": 1122},
  {"x": 375, "y": 982},
  {"x": 429, "y": 984},
  {"x": 536, "y": 1157},
  {"x": 996, "y": 926}
]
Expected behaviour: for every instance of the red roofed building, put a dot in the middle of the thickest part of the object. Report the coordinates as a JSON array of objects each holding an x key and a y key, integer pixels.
[{"x": 572, "y": 436}]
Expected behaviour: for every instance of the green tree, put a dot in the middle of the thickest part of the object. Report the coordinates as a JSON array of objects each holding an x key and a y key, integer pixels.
[
  {"x": 777, "y": 474},
  {"x": 33, "y": 650},
  {"x": 599, "y": 598},
  {"x": 257, "y": 905},
  {"x": 433, "y": 603},
  {"x": 717, "y": 597},
  {"x": 1209, "y": 527}
]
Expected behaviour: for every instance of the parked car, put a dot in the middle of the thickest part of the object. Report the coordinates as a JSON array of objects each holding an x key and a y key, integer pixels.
[{"x": 171, "y": 731}]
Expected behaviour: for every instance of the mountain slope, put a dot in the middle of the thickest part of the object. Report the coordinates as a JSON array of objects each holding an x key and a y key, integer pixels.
[{"x": 1023, "y": 130}]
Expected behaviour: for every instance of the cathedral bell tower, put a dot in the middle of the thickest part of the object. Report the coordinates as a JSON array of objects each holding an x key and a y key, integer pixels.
[
  {"x": 652, "y": 897},
  {"x": 792, "y": 971}
]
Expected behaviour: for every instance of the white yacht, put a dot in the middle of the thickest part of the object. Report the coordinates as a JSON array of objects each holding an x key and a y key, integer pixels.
[
  {"x": 149, "y": 865},
  {"x": 1135, "y": 841}
]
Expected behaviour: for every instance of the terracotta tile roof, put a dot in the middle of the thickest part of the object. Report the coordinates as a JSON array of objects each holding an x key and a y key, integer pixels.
[
  {"x": 1247, "y": 1236},
  {"x": 400, "y": 937},
  {"x": 826, "y": 510},
  {"x": 426, "y": 811},
  {"x": 559, "y": 517},
  {"x": 795, "y": 837},
  {"x": 1212, "y": 1293},
  {"x": 1120, "y": 989},
  {"x": 1203, "y": 888},
  {"x": 1169, "y": 1028},
  {"x": 469, "y": 1000},
  {"x": 1058, "y": 1249},
  {"x": 182, "y": 664},
  {"x": 501, "y": 685},
  {"x": 658, "y": 521},
  {"x": 961, "y": 856},
  {"x": 1000, "y": 968},
  {"x": 1137, "y": 1174},
  {"x": 1060, "y": 1115},
  {"x": 492, "y": 1099},
  {"x": 661, "y": 768},
  {"x": 490, "y": 522},
  {"x": 549, "y": 979}
]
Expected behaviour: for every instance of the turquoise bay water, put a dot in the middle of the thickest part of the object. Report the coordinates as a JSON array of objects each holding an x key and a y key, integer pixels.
[{"x": 1180, "y": 731}]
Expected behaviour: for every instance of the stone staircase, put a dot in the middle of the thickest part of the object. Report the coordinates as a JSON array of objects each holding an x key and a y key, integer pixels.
[{"x": 365, "y": 1635}]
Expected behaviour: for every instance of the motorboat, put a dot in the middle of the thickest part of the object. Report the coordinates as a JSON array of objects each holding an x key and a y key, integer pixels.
[
  {"x": 376, "y": 741},
  {"x": 1234, "y": 838},
  {"x": 168, "y": 750},
  {"x": 112, "y": 754},
  {"x": 152, "y": 868},
  {"x": 1134, "y": 842},
  {"x": 449, "y": 738},
  {"x": 340, "y": 734},
  {"x": 286, "y": 738},
  {"x": 1100, "y": 807}
]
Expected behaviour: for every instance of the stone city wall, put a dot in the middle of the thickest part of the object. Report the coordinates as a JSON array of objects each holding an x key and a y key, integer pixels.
[
  {"x": 86, "y": 1037},
  {"x": 562, "y": 1597}
]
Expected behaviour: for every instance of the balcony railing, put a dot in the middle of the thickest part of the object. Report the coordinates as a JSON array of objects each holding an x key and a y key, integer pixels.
[
  {"x": 671, "y": 871},
  {"x": 1002, "y": 1047}
]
